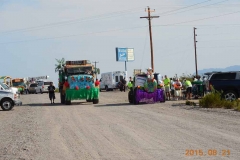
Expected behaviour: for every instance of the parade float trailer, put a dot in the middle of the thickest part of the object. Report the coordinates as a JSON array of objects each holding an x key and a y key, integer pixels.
[
  {"x": 146, "y": 91},
  {"x": 76, "y": 82}
]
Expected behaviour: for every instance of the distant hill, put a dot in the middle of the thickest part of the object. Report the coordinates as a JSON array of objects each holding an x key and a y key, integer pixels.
[{"x": 231, "y": 68}]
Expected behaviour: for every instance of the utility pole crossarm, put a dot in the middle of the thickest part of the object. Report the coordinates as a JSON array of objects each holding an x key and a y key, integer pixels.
[{"x": 151, "y": 17}]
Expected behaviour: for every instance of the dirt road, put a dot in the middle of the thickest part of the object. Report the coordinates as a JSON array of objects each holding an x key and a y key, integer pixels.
[{"x": 115, "y": 130}]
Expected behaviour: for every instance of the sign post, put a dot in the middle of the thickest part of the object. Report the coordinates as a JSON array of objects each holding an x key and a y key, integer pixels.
[{"x": 125, "y": 55}]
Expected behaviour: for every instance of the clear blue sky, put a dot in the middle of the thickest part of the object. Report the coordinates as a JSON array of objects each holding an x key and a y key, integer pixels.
[{"x": 34, "y": 33}]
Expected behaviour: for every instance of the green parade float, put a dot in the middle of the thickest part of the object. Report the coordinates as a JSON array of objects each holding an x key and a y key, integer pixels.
[{"x": 76, "y": 82}]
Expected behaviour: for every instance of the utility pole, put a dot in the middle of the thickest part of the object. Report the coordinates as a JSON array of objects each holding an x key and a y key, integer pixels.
[
  {"x": 149, "y": 17},
  {"x": 95, "y": 68},
  {"x": 195, "y": 48}
]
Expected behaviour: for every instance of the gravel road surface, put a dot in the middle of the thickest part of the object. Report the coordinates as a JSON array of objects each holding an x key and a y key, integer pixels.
[{"x": 115, "y": 130}]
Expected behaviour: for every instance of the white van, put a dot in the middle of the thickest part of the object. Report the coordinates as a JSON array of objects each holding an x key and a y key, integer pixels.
[
  {"x": 110, "y": 80},
  {"x": 43, "y": 85}
]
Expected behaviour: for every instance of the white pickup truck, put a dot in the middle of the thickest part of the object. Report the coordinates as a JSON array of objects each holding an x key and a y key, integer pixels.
[{"x": 8, "y": 97}]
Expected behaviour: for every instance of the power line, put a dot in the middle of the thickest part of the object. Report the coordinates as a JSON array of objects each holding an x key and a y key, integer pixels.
[
  {"x": 183, "y": 7},
  {"x": 73, "y": 35},
  {"x": 207, "y": 25},
  {"x": 194, "y": 8},
  {"x": 198, "y": 19},
  {"x": 96, "y": 17},
  {"x": 217, "y": 34},
  {"x": 221, "y": 47},
  {"x": 220, "y": 40},
  {"x": 173, "y": 24}
]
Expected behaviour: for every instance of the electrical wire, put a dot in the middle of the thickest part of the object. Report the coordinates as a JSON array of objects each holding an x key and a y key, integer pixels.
[
  {"x": 219, "y": 40},
  {"x": 96, "y": 17},
  {"x": 73, "y": 35},
  {"x": 183, "y": 7},
  {"x": 197, "y": 19},
  {"x": 194, "y": 8},
  {"x": 220, "y": 47},
  {"x": 124, "y": 29}
]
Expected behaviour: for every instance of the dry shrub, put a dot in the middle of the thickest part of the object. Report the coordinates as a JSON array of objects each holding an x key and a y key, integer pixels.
[
  {"x": 214, "y": 100},
  {"x": 190, "y": 103},
  {"x": 237, "y": 105},
  {"x": 211, "y": 100}
]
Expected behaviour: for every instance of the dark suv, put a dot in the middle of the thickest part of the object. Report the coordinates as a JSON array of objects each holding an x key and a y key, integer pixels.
[{"x": 228, "y": 82}]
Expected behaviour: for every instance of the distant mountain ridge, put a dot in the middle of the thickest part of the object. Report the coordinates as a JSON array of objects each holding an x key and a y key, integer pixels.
[{"x": 231, "y": 68}]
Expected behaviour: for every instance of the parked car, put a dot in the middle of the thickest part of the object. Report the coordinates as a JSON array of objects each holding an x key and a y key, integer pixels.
[
  {"x": 227, "y": 82},
  {"x": 34, "y": 88},
  {"x": 43, "y": 85},
  {"x": 8, "y": 99}
]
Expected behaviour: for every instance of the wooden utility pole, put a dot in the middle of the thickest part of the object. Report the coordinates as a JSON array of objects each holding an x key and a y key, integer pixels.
[
  {"x": 95, "y": 68},
  {"x": 149, "y": 17},
  {"x": 195, "y": 48}
]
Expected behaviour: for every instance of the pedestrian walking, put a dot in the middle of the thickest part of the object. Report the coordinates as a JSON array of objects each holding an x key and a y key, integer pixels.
[{"x": 51, "y": 91}]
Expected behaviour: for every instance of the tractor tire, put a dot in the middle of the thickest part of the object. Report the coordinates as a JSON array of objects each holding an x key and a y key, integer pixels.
[{"x": 95, "y": 101}]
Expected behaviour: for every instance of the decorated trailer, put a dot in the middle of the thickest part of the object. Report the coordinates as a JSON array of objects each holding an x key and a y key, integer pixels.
[
  {"x": 146, "y": 88},
  {"x": 76, "y": 82}
]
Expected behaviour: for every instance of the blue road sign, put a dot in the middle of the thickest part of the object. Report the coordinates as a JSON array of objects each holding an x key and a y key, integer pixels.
[{"x": 121, "y": 54}]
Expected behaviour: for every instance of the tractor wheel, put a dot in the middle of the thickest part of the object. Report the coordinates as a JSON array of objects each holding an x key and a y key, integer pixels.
[{"x": 95, "y": 101}]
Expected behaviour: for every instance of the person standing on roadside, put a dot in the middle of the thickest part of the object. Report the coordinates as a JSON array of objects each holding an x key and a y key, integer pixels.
[
  {"x": 172, "y": 81},
  {"x": 51, "y": 91},
  {"x": 130, "y": 83},
  {"x": 123, "y": 85},
  {"x": 167, "y": 87},
  {"x": 188, "y": 85},
  {"x": 27, "y": 86},
  {"x": 177, "y": 87},
  {"x": 97, "y": 83}
]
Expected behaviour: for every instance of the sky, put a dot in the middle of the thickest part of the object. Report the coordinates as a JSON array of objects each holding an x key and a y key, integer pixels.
[{"x": 34, "y": 33}]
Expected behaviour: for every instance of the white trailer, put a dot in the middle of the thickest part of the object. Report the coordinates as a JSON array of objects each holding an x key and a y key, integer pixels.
[{"x": 110, "y": 80}]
